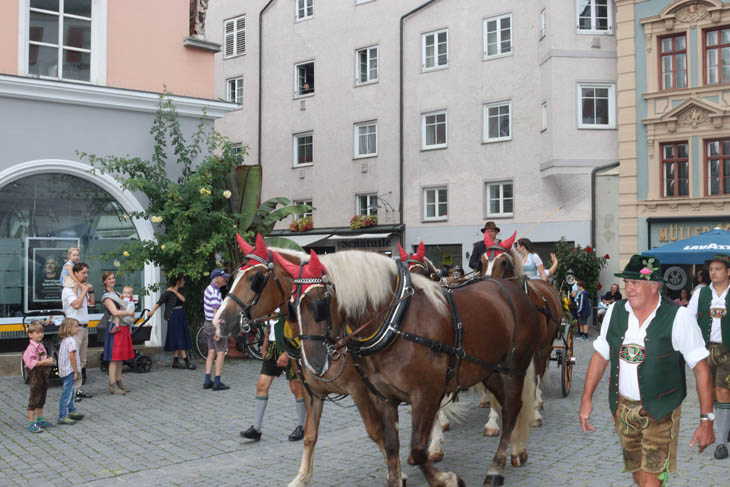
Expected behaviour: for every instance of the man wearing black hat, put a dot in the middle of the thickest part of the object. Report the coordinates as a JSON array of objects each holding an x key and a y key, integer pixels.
[
  {"x": 479, "y": 248},
  {"x": 646, "y": 340},
  {"x": 710, "y": 305}
]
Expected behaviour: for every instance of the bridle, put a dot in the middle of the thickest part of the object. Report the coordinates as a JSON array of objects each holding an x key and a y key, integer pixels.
[{"x": 258, "y": 284}]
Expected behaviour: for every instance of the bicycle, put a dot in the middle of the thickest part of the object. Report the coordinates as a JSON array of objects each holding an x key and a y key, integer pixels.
[{"x": 251, "y": 341}]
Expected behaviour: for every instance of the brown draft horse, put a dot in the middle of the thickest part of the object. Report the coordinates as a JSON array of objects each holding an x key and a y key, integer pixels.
[
  {"x": 260, "y": 286},
  {"x": 506, "y": 263},
  {"x": 348, "y": 298}
]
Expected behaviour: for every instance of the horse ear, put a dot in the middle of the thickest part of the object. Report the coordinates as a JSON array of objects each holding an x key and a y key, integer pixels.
[
  {"x": 403, "y": 253},
  {"x": 507, "y": 244},
  {"x": 421, "y": 252},
  {"x": 291, "y": 269},
  {"x": 314, "y": 267},
  {"x": 260, "y": 249},
  {"x": 245, "y": 247},
  {"x": 488, "y": 241}
]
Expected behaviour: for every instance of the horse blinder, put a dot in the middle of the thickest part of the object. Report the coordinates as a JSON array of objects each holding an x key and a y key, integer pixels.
[
  {"x": 258, "y": 281},
  {"x": 321, "y": 309}
]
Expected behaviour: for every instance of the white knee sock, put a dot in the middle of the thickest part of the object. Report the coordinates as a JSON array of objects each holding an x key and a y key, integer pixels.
[
  {"x": 261, "y": 402},
  {"x": 722, "y": 421},
  {"x": 301, "y": 410}
]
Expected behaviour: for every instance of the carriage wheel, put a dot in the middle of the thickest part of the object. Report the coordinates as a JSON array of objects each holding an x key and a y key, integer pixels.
[
  {"x": 24, "y": 371},
  {"x": 566, "y": 375},
  {"x": 201, "y": 344},
  {"x": 142, "y": 364},
  {"x": 254, "y": 341}
]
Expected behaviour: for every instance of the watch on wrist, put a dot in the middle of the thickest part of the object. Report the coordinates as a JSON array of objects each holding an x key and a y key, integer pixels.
[{"x": 707, "y": 417}]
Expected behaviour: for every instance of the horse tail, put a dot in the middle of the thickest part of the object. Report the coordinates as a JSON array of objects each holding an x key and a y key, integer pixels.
[{"x": 521, "y": 433}]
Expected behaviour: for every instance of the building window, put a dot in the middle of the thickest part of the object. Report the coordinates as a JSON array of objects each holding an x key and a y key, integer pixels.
[
  {"x": 595, "y": 16},
  {"x": 543, "y": 23},
  {"x": 366, "y": 139},
  {"x": 304, "y": 149},
  {"x": 304, "y": 78},
  {"x": 675, "y": 169},
  {"x": 435, "y": 204},
  {"x": 234, "y": 36},
  {"x": 543, "y": 116},
  {"x": 718, "y": 167},
  {"x": 435, "y": 49},
  {"x": 366, "y": 60},
  {"x": 367, "y": 204},
  {"x": 497, "y": 121},
  {"x": 497, "y": 36},
  {"x": 59, "y": 39},
  {"x": 500, "y": 199},
  {"x": 596, "y": 105},
  {"x": 234, "y": 90},
  {"x": 305, "y": 9},
  {"x": 673, "y": 61},
  {"x": 717, "y": 56},
  {"x": 307, "y": 202},
  {"x": 433, "y": 130}
]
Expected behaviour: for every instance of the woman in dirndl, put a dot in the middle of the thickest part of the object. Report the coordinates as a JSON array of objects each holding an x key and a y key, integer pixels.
[
  {"x": 118, "y": 340},
  {"x": 177, "y": 339}
]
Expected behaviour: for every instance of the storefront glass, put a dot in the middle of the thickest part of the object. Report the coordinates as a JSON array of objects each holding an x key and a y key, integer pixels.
[{"x": 40, "y": 217}]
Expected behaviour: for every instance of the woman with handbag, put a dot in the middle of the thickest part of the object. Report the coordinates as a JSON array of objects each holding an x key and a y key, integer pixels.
[{"x": 118, "y": 340}]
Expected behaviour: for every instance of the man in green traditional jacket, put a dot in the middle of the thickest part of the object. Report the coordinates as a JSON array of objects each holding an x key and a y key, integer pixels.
[
  {"x": 647, "y": 340},
  {"x": 710, "y": 305}
]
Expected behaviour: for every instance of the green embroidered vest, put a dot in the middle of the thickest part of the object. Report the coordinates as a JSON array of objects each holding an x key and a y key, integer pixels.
[
  {"x": 661, "y": 373},
  {"x": 705, "y": 320}
]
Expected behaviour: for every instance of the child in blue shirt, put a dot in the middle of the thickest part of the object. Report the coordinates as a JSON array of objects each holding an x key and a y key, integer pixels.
[{"x": 583, "y": 301}]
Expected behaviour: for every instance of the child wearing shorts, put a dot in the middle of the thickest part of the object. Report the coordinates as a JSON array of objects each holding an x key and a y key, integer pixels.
[{"x": 37, "y": 360}]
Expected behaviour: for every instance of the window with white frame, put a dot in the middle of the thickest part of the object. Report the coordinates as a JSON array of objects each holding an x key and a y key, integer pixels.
[
  {"x": 596, "y": 105},
  {"x": 237, "y": 149},
  {"x": 543, "y": 23},
  {"x": 595, "y": 16},
  {"x": 543, "y": 116},
  {"x": 300, "y": 202},
  {"x": 367, "y": 204},
  {"x": 234, "y": 90},
  {"x": 435, "y": 49},
  {"x": 304, "y": 78},
  {"x": 433, "y": 130},
  {"x": 366, "y": 139},
  {"x": 304, "y": 149},
  {"x": 305, "y": 9},
  {"x": 366, "y": 60},
  {"x": 497, "y": 36},
  {"x": 234, "y": 37},
  {"x": 435, "y": 203},
  {"x": 497, "y": 121},
  {"x": 59, "y": 39},
  {"x": 499, "y": 198}
]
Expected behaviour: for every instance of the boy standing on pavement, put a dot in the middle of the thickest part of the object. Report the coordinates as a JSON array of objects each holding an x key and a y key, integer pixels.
[
  {"x": 217, "y": 346},
  {"x": 710, "y": 305},
  {"x": 76, "y": 302},
  {"x": 647, "y": 340}
]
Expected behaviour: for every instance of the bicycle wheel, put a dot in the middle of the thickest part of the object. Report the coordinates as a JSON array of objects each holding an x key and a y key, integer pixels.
[
  {"x": 201, "y": 344},
  {"x": 254, "y": 341}
]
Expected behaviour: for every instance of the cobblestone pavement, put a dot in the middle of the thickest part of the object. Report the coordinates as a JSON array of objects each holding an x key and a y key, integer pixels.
[{"x": 170, "y": 432}]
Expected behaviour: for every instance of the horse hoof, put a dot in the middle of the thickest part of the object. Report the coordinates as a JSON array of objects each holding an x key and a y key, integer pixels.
[
  {"x": 446, "y": 427},
  {"x": 460, "y": 482},
  {"x": 411, "y": 461},
  {"x": 537, "y": 423},
  {"x": 494, "y": 481},
  {"x": 491, "y": 432},
  {"x": 515, "y": 461},
  {"x": 435, "y": 457},
  {"x": 523, "y": 457}
]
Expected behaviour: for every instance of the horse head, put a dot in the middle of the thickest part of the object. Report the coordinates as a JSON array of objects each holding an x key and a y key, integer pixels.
[
  {"x": 418, "y": 263},
  {"x": 310, "y": 306},
  {"x": 501, "y": 263},
  {"x": 260, "y": 285}
]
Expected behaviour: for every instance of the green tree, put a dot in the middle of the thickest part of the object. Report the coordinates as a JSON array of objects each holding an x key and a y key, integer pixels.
[
  {"x": 197, "y": 215},
  {"x": 582, "y": 262}
]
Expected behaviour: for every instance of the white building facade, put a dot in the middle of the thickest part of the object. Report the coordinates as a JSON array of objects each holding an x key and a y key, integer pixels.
[{"x": 437, "y": 115}]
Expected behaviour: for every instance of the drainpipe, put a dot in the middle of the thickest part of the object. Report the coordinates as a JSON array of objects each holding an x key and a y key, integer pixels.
[
  {"x": 593, "y": 198},
  {"x": 261, "y": 89},
  {"x": 400, "y": 108}
]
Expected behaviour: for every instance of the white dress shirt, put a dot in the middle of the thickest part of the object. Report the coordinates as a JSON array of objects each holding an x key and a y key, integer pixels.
[
  {"x": 718, "y": 301},
  {"x": 82, "y": 314}
]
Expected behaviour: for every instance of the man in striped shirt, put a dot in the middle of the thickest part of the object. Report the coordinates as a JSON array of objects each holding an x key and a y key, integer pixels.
[{"x": 217, "y": 346}]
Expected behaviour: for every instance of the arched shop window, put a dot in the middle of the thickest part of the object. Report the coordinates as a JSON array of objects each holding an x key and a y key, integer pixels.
[{"x": 41, "y": 216}]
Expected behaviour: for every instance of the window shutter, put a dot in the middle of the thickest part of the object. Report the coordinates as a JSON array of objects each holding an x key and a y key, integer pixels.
[
  {"x": 228, "y": 41},
  {"x": 241, "y": 35}
]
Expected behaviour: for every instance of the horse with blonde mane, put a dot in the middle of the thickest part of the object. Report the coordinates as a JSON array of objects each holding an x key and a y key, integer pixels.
[{"x": 403, "y": 334}]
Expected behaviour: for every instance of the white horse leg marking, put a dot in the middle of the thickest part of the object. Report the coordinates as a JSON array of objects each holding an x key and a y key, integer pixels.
[
  {"x": 435, "y": 447},
  {"x": 443, "y": 421},
  {"x": 492, "y": 428},
  {"x": 483, "y": 395}
]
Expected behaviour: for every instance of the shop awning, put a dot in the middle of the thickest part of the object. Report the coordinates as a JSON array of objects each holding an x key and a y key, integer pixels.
[
  {"x": 305, "y": 240},
  {"x": 693, "y": 250},
  {"x": 360, "y": 236}
]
